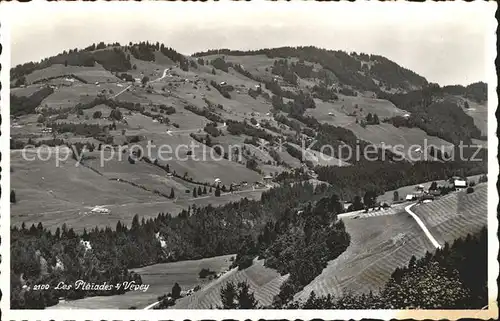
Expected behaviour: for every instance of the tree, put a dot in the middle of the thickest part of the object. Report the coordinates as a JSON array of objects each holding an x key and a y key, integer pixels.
[
  {"x": 204, "y": 190},
  {"x": 357, "y": 204},
  {"x": 200, "y": 192},
  {"x": 194, "y": 192},
  {"x": 246, "y": 299},
  {"x": 144, "y": 80},
  {"x": 217, "y": 191},
  {"x": 176, "y": 291},
  {"x": 13, "y": 197},
  {"x": 237, "y": 297},
  {"x": 369, "y": 199},
  {"x": 376, "y": 121},
  {"x": 65, "y": 63},
  {"x": 228, "y": 296},
  {"x": 135, "y": 222},
  {"x": 369, "y": 118},
  {"x": 213, "y": 71},
  {"x": 466, "y": 105},
  {"x": 395, "y": 197},
  {"x": 97, "y": 114},
  {"x": 433, "y": 187},
  {"x": 172, "y": 194},
  {"x": 443, "y": 289},
  {"x": 116, "y": 114}
]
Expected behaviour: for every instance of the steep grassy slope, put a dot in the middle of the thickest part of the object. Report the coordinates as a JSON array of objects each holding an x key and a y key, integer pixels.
[
  {"x": 380, "y": 243},
  {"x": 455, "y": 215},
  {"x": 264, "y": 282}
]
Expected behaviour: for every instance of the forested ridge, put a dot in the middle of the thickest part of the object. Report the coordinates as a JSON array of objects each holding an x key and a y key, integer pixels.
[
  {"x": 348, "y": 68},
  {"x": 431, "y": 112}
]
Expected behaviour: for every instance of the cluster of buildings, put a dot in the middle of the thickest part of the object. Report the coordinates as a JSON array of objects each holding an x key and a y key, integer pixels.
[{"x": 425, "y": 196}]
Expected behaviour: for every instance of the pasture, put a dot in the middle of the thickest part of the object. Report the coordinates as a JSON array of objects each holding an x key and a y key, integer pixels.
[
  {"x": 89, "y": 74},
  {"x": 66, "y": 193},
  {"x": 318, "y": 158},
  {"x": 61, "y": 194},
  {"x": 160, "y": 277}
]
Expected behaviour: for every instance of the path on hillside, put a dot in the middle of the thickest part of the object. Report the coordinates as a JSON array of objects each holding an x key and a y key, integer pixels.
[
  {"x": 407, "y": 208},
  {"x": 163, "y": 76},
  {"x": 157, "y": 79},
  {"x": 422, "y": 226},
  {"x": 193, "y": 130},
  {"x": 121, "y": 92},
  {"x": 151, "y": 305}
]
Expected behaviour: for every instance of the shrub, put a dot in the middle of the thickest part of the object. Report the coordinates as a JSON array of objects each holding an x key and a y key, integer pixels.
[{"x": 205, "y": 272}]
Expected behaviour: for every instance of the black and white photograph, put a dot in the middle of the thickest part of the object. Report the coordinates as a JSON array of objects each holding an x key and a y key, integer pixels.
[{"x": 192, "y": 158}]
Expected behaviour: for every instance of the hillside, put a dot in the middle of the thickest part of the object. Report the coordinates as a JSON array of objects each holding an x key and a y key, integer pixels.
[
  {"x": 455, "y": 215},
  {"x": 264, "y": 282},
  {"x": 161, "y": 278},
  {"x": 159, "y": 159},
  {"x": 381, "y": 243}
]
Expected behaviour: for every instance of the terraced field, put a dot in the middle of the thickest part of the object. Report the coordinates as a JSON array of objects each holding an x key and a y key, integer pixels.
[
  {"x": 161, "y": 278},
  {"x": 264, "y": 282},
  {"x": 379, "y": 244},
  {"x": 455, "y": 215}
]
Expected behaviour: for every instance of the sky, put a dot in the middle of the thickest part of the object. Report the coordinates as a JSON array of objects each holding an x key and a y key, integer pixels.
[{"x": 447, "y": 43}]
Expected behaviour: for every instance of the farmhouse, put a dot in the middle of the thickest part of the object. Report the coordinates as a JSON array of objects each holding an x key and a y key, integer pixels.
[
  {"x": 347, "y": 205},
  {"x": 460, "y": 183},
  {"x": 410, "y": 197},
  {"x": 268, "y": 178},
  {"x": 100, "y": 210}
]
